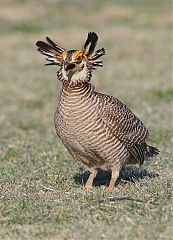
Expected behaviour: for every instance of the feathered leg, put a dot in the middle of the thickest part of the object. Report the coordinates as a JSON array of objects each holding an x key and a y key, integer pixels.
[
  {"x": 90, "y": 180},
  {"x": 114, "y": 177}
]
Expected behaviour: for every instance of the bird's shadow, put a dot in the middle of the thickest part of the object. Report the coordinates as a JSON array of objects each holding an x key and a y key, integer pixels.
[{"x": 127, "y": 175}]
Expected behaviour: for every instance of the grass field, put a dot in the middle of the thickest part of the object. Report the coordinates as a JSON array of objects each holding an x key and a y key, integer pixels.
[{"x": 41, "y": 187}]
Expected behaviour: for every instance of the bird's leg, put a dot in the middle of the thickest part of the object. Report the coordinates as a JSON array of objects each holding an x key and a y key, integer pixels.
[
  {"x": 90, "y": 180},
  {"x": 114, "y": 177}
]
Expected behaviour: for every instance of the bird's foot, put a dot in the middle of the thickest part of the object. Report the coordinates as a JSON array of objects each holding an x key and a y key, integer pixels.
[
  {"x": 89, "y": 183},
  {"x": 87, "y": 188},
  {"x": 110, "y": 188}
]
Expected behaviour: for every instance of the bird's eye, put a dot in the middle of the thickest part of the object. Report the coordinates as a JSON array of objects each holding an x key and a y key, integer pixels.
[{"x": 79, "y": 58}]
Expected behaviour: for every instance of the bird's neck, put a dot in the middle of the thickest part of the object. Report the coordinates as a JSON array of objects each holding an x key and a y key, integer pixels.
[
  {"x": 75, "y": 78},
  {"x": 79, "y": 76},
  {"x": 77, "y": 87}
]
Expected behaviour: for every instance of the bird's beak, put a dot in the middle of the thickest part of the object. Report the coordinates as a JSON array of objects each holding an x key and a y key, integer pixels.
[{"x": 69, "y": 66}]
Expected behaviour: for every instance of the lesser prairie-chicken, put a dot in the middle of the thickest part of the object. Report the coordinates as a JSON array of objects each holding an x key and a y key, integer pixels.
[{"x": 98, "y": 130}]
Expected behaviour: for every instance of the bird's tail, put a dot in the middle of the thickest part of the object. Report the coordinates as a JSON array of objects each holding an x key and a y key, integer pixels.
[{"x": 151, "y": 151}]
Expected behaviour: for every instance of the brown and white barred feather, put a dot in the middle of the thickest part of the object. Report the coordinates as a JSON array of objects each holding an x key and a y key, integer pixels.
[
  {"x": 79, "y": 124},
  {"x": 51, "y": 51},
  {"x": 98, "y": 130}
]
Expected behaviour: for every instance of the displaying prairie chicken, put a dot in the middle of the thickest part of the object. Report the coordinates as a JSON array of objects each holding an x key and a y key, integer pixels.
[{"x": 98, "y": 130}]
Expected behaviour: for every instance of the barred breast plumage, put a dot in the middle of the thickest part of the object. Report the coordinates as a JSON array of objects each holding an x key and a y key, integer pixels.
[
  {"x": 79, "y": 124},
  {"x": 98, "y": 130}
]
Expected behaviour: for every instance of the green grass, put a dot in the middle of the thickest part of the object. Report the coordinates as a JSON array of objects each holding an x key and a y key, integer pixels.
[
  {"x": 163, "y": 94},
  {"x": 41, "y": 187}
]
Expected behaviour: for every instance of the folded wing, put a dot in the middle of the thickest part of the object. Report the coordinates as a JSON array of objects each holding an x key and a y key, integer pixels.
[{"x": 125, "y": 125}]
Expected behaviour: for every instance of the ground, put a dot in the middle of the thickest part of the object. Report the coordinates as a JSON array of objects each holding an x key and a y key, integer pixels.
[{"x": 41, "y": 187}]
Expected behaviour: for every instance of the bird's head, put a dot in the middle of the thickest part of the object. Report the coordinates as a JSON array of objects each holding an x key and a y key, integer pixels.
[{"x": 75, "y": 65}]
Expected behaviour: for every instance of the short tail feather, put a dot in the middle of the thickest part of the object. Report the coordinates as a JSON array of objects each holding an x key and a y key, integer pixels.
[{"x": 151, "y": 151}]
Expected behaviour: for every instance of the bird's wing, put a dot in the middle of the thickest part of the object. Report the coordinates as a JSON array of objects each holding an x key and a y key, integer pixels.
[{"x": 124, "y": 124}]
